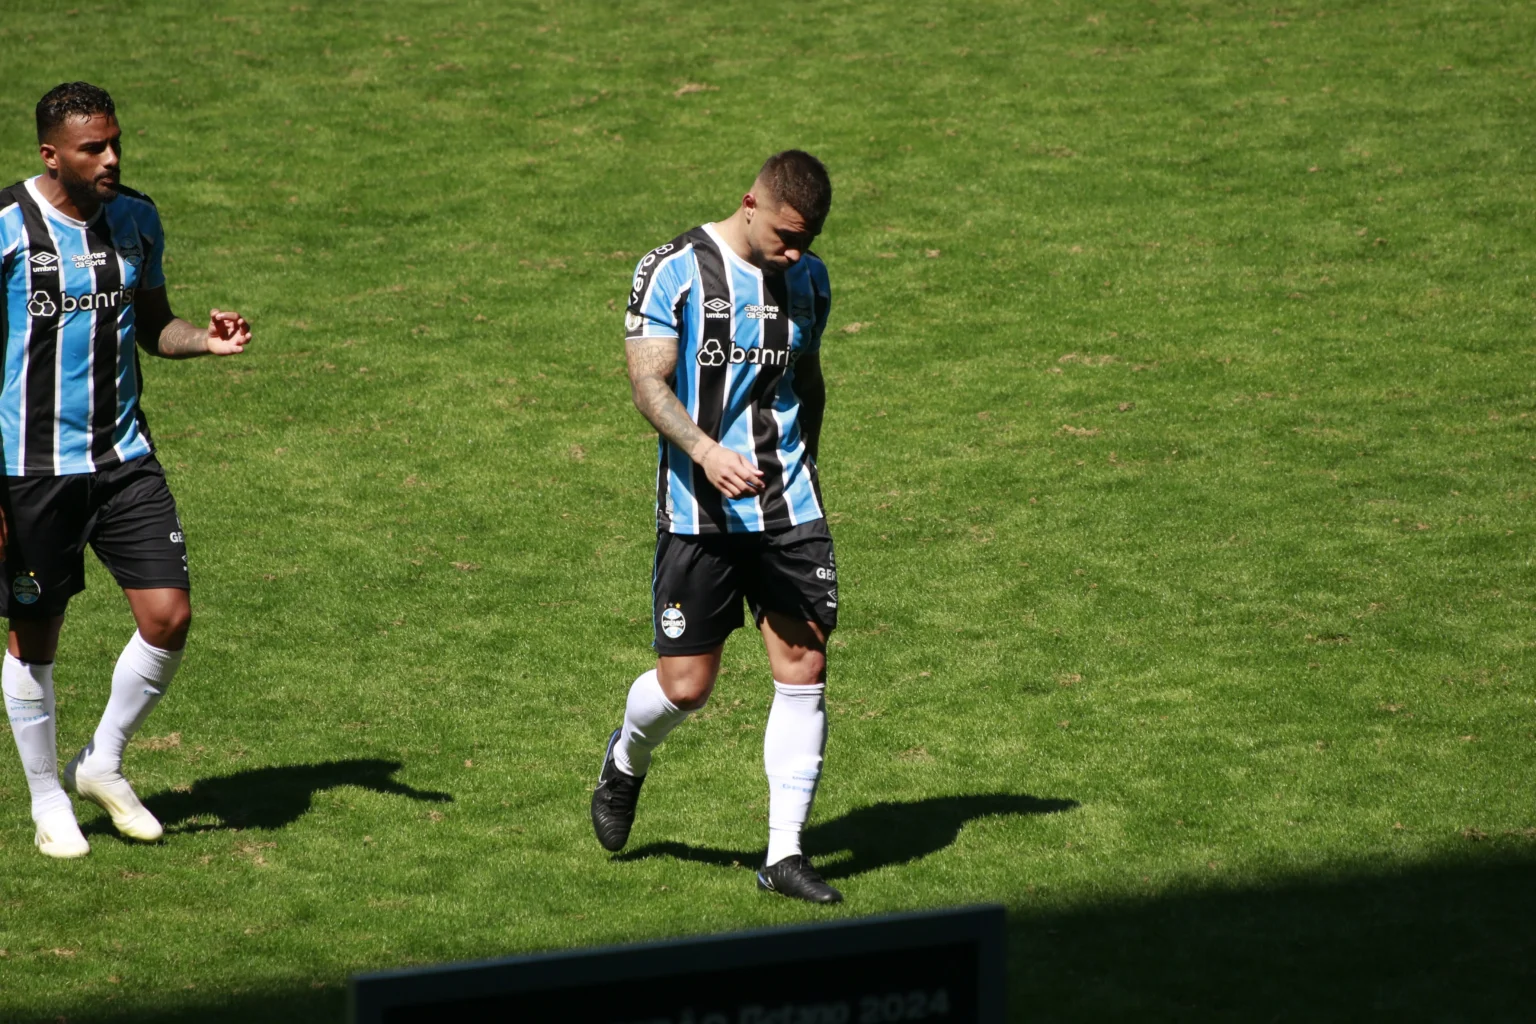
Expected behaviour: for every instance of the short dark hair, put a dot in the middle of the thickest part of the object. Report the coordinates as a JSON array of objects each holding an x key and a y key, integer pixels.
[
  {"x": 799, "y": 179},
  {"x": 72, "y": 99}
]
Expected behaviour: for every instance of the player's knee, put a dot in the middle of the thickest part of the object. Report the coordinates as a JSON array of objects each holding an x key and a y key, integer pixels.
[
  {"x": 168, "y": 627},
  {"x": 805, "y": 666},
  {"x": 687, "y": 690},
  {"x": 688, "y": 681},
  {"x": 691, "y": 694}
]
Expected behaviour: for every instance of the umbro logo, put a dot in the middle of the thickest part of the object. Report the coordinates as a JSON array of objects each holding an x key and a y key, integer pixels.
[
  {"x": 717, "y": 309},
  {"x": 89, "y": 259},
  {"x": 44, "y": 262}
]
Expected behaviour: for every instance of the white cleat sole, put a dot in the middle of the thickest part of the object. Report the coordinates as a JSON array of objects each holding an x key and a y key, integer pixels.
[
  {"x": 113, "y": 794},
  {"x": 58, "y": 835}
]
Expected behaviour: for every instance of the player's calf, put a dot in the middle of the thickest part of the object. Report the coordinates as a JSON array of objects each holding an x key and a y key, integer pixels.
[
  {"x": 649, "y": 716},
  {"x": 29, "y": 703},
  {"x": 143, "y": 673}
]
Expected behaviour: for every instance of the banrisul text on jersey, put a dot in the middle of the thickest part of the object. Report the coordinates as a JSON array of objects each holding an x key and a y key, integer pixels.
[
  {"x": 739, "y": 335},
  {"x": 69, "y": 402}
]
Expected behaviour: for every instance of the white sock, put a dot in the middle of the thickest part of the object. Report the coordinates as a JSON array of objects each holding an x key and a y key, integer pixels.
[
  {"x": 648, "y": 717},
  {"x": 138, "y": 682},
  {"x": 793, "y": 746},
  {"x": 29, "y": 703}
]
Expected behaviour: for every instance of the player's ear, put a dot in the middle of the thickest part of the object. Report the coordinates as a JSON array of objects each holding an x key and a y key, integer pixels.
[{"x": 50, "y": 154}]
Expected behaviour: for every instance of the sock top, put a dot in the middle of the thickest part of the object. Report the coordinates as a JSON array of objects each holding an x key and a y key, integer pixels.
[
  {"x": 157, "y": 655},
  {"x": 39, "y": 672}
]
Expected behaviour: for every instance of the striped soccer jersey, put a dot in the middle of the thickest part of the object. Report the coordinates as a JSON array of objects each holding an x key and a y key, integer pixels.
[
  {"x": 740, "y": 333},
  {"x": 69, "y": 401}
]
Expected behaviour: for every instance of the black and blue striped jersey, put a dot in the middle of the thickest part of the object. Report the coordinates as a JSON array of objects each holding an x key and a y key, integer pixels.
[
  {"x": 740, "y": 333},
  {"x": 69, "y": 400}
]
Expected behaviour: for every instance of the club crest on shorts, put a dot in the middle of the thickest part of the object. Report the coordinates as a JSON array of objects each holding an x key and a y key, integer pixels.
[
  {"x": 27, "y": 590},
  {"x": 672, "y": 622}
]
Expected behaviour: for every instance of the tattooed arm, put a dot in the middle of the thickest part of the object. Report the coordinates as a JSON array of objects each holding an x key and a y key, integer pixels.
[
  {"x": 162, "y": 333},
  {"x": 652, "y": 364}
]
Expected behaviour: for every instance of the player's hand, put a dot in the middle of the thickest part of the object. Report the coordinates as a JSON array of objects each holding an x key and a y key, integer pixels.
[
  {"x": 228, "y": 333},
  {"x": 730, "y": 472}
]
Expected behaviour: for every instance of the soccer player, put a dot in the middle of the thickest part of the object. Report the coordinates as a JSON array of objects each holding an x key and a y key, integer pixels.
[
  {"x": 80, "y": 260},
  {"x": 722, "y": 336}
]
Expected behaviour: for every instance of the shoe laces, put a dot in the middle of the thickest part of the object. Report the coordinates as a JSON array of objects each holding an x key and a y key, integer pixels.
[
  {"x": 623, "y": 786},
  {"x": 801, "y": 865}
]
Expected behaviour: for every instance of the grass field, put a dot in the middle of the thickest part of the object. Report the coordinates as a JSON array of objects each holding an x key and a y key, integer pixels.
[{"x": 1181, "y": 453}]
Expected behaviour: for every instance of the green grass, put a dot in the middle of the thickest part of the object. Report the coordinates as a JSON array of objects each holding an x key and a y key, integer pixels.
[{"x": 1181, "y": 474}]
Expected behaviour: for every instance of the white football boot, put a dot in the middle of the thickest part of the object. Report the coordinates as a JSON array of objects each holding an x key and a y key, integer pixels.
[
  {"x": 58, "y": 835},
  {"x": 112, "y": 794}
]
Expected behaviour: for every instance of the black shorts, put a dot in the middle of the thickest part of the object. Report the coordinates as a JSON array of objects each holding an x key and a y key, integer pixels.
[
  {"x": 126, "y": 514},
  {"x": 700, "y": 580}
]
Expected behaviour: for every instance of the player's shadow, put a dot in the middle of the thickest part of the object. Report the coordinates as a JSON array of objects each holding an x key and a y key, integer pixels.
[
  {"x": 269, "y": 797},
  {"x": 876, "y": 836}
]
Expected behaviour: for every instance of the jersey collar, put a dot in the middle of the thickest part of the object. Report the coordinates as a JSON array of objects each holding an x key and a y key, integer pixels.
[
  {"x": 54, "y": 211},
  {"x": 730, "y": 253}
]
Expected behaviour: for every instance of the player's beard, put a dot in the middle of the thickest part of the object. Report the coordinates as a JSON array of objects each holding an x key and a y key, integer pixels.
[
  {"x": 762, "y": 261},
  {"x": 88, "y": 194},
  {"x": 772, "y": 266},
  {"x": 105, "y": 187}
]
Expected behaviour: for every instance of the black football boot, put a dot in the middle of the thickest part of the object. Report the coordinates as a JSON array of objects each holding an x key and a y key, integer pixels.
[
  {"x": 794, "y": 877},
  {"x": 613, "y": 802}
]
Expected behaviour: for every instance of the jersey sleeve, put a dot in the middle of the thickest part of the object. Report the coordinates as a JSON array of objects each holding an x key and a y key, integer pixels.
[
  {"x": 12, "y": 235},
  {"x": 153, "y": 234},
  {"x": 821, "y": 285},
  {"x": 662, "y": 282}
]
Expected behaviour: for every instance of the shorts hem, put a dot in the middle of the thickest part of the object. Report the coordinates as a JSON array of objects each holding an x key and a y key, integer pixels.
[
  {"x": 759, "y": 613},
  {"x": 686, "y": 650},
  {"x": 51, "y": 605},
  {"x": 34, "y": 612},
  {"x": 153, "y": 584}
]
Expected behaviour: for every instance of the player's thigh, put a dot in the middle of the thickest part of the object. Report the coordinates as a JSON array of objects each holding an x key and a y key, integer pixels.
[
  {"x": 695, "y": 594},
  {"x": 35, "y": 640},
  {"x": 796, "y": 576},
  {"x": 136, "y": 531},
  {"x": 45, "y": 551}
]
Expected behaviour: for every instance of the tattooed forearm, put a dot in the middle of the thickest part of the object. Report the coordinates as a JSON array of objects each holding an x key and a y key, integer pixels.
[
  {"x": 658, "y": 404},
  {"x": 652, "y": 362},
  {"x": 181, "y": 340}
]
